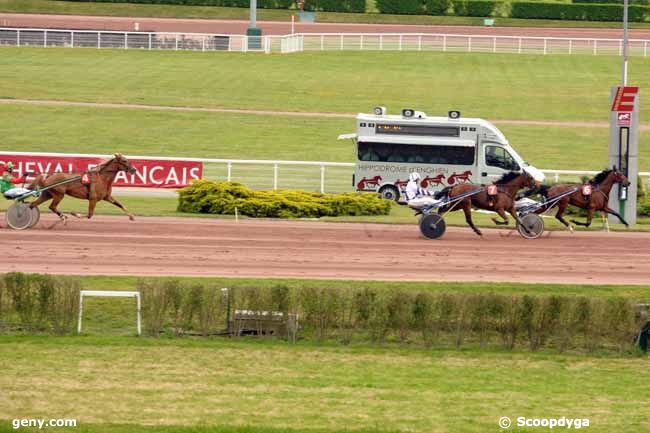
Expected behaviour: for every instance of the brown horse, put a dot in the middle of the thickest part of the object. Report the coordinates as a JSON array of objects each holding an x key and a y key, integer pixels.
[
  {"x": 598, "y": 200},
  {"x": 504, "y": 199},
  {"x": 99, "y": 186}
]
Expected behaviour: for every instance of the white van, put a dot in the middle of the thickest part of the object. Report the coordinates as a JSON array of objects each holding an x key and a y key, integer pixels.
[{"x": 444, "y": 150}]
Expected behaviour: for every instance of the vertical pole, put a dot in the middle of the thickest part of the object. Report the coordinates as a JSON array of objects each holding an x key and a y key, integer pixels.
[
  {"x": 341, "y": 41},
  {"x": 419, "y": 42},
  {"x": 625, "y": 41},
  {"x": 72, "y": 39},
  {"x": 545, "y": 45},
  {"x": 81, "y": 309},
  {"x": 557, "y": 177},
  {"x": 275, "y": 177},
  {"x": 229, "y": 171},
  {"x": 400, "y": 42},
  {"x": 444, "y": 43},
  {"x": 176, "y": 41},
  {"x": 139, "y": 314},
  {"x": 570, "y": 46},
  {"x": 469, "y": 44},
  {"x": 361, "y": 42},
  {"x": 322, "y": 178},
  {"x": 18, "y": 38},
  {"x": 150, "y": 41},
  {"x": 45, "y": 39},
  {"x": 595, "y": 46},
  {"x": 253, "y": 8},
  {"x": 99, "y": 39},
  {"x": 293, "y": 24},
  {"x": 519, "y": 51},
  {"x": 203, "y": 44},
  {"x": 126, "y": 40}
]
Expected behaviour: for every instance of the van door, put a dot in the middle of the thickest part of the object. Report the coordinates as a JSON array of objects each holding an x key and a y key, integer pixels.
[{"x": 495, "y": 161}]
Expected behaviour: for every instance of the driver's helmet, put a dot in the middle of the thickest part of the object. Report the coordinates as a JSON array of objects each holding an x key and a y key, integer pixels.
[
  {"x": 10, "y": 166},
  {"x": 414, "y": 177}
]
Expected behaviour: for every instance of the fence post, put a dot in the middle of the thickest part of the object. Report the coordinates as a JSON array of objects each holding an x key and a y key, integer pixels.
[
  {"x": 150, "y": 41},
  {"x": 275, "y": 176},
  {"x": 322, "y": 178},
  {"x": 99, "y": 39},
  {"x": 72, "y": 39},
  {"x": 341, "y": 41},
  {"x": 519, "y": 51},
  {"x": 545, "y": 46},
  {"x": 203, "y": 44},
  {"x": 45, "y": 39},
  {"x": 469, "y": 44},
  {"x": 419, "y": 42},
  {"x": 18, "y": 38},
  {"x": 444, "y": 43},
  {"x": 361, "y": 42},
  {"x": 229, "y": 176},
  {"x": 595, "y": 46},
  {"x": 126, "y": 41},
  {"x": 557, "y": 177},
  {"x": 400, "y": 42},
  {"x": 381, "y": 42},
  {"x": 176, "y": 41},
  {"x": 570, "y": 46}
]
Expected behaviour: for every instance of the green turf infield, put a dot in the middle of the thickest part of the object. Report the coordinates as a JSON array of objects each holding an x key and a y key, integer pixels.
[
  {"x": 127, "y": 384},
  {"x": 492, "y": 86}
]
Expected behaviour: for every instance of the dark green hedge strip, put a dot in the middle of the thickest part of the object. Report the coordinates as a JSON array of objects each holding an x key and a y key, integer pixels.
[
  {"x": 264, "y": 4},
  {"x": 401, "y": 7},
  {"x": 358, "y": 6},
  {"x": 475, "y": 8},
  {"x": 577, "y": 12},
  {"x": 632, "y": 2}
]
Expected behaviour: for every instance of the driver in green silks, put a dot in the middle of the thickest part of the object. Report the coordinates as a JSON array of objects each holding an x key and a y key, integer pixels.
[{"x": 8, "y": 182}]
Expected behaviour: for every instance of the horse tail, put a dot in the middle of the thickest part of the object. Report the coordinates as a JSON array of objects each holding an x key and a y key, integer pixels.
[{"x": 443, "y": 192}]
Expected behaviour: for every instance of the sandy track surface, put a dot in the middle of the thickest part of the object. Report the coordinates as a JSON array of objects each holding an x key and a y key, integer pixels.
[
  {"x": 283, "y": 28},
  {"x": 304, "y": 249}
]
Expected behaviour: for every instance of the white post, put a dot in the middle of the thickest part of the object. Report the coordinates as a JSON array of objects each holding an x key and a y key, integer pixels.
[
  {"x": 557, "y": 177},
  {"x": 293, "y": 21},
  {"x": 595, "y": 46},
  {"x": 341, "y": 42},
  {"x": 45, "y": 39},
  {"x": 81, "y": 309},
  {"x": 139, "y": 314},
  {"x": 150, "y": 41},
  {"x": 444, "y": 43},
  {"x": 570, "y": 46},
  {"x": 18, "y": 38},
  {"x": 419, "y": 42},
  {"x": 545, "y": 46},
  {"x": 229, "y": 171},
  {"x": 381, "y": 42},
  {"x": 322, "y": 178},
  {"x": 177, "y": 42},
  {"x": 361, "y": 42},
  {"x": 126, "y": 40},
  {"x": 72, "y": 39},
  {"x": 519, "y": 51},
  {"x": 99, "y": 39},
  {"x": 203, "y": 44},
  {"x": 400, "y": 42},
  {"x": 275, "y": 177},
  {"x": 322, "y": 42},
  {"x": 469, "y": 44}
]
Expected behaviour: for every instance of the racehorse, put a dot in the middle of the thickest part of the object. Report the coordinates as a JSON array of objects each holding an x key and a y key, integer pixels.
[
  {"x": 98, "y": 187},
  {"x": 502, "y": 199},
  {"x": 597, "y": 200}
]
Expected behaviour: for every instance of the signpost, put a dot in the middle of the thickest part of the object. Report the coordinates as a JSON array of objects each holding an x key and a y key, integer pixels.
[
  {"x": 253, "y": 32},
  {"x": 624, "y": 149}
]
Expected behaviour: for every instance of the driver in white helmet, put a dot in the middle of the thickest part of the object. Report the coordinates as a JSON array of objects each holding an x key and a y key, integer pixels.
[{"x": 416, "y": 196}]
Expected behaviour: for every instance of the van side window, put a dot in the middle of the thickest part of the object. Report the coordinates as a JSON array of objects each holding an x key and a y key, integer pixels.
[
  {"x": 412, "y": 153},
  {"x": 497, "y": 156}
]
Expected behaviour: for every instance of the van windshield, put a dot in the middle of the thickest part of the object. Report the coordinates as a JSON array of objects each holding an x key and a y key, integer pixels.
[
  {"x": 413, "y": 153},
  {"x": 498, "y": 156}
]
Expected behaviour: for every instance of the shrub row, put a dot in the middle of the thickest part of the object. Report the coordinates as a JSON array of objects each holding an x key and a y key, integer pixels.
[
  {"x": 309, "y": 5},
  {"x": 38, "y": 303},
  {"x": 632, "y": 2},
  {"x": 475, "y": 8},
  {"x": 223, "y": 198},
  {"x": 398, "y": 316},
  {"x": 577, "y": 12}
]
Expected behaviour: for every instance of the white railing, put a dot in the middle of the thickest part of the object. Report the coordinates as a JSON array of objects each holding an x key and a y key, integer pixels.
[{"x": 318, "y": 42}]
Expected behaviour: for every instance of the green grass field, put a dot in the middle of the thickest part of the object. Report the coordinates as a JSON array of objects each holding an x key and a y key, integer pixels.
[
  {"x": 181, "y": 11},
  {"x": 213, "y": 384}
]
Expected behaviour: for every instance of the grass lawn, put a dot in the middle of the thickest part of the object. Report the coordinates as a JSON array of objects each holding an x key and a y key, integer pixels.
[
  {"x": 492, "y": 86},
  {"x": 248, "y": 136},
  {"x": 180, "y": 11},
  {"x": 212, "y": 384}
]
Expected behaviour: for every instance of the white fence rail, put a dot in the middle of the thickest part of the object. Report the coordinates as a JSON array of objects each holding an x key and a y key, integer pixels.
[{"x": 318, "y": 42}]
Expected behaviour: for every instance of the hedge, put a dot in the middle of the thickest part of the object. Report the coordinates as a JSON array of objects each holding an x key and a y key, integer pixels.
[
  {"x": 438, "y": 7},
  {"x": 475, "y": 8},
  {"x": 577, "y": 12},
  {"x": 222, "y": 198},
  {"x": 336, "y": 5},
  {"x": 401, "y": 7},
  {"x": 264, "y": 4},
  {"x": 631, "y": 2}
]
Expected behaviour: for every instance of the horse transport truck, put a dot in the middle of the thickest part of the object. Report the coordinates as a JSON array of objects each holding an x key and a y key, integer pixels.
[{"x": 443, "y": 150}]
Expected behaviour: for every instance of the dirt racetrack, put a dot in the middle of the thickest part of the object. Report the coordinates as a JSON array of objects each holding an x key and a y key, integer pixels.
[{"x": 306, "y": 249}]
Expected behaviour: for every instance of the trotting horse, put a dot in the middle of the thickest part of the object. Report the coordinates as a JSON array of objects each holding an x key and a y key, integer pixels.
[
  {"x": 501, "y": 201},
  {"x": 598, "y": 200},
  {"x": 98, "y": 187}
]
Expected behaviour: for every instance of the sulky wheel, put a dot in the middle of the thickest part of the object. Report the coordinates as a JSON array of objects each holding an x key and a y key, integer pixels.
[
  {"x": 432, "y": 226},
  {"x": 36, "y": 216},
  {"x": 531, "y": 226},
  {"x": 19, "y": 216}
]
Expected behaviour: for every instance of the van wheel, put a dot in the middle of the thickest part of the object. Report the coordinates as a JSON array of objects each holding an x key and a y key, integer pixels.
[{"x": 389, "y": 192}]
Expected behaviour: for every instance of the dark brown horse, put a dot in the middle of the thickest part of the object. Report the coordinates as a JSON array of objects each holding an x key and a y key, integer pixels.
[
  {"x": 501, "y": 202},
  {"x": 601, "y": 185},
  {"x": 98, "y": 186}
]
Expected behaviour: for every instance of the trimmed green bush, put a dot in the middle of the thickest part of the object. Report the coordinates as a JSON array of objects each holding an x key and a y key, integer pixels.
[
  {"x": 631, "y": 2},
  {"x": 336, "y": 5},
  {"x": 577, "y": 12},
  {"x": 438, "y": 7},
  {"x": 264, "y": 4},
  {"x": 222, "y": 198},
  {"x": 401, "y": 7},
  {"x": 474, "y": 8}
]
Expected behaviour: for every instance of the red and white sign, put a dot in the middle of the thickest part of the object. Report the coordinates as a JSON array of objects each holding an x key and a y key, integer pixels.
[
  {"x": 152, "y": 173},
  {"x": 624, "y": 99},
  {"x": 624, "y": 119}
]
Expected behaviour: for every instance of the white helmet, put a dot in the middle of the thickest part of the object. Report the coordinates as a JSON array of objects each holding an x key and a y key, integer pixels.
[{"x": 414, "y": 177}]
